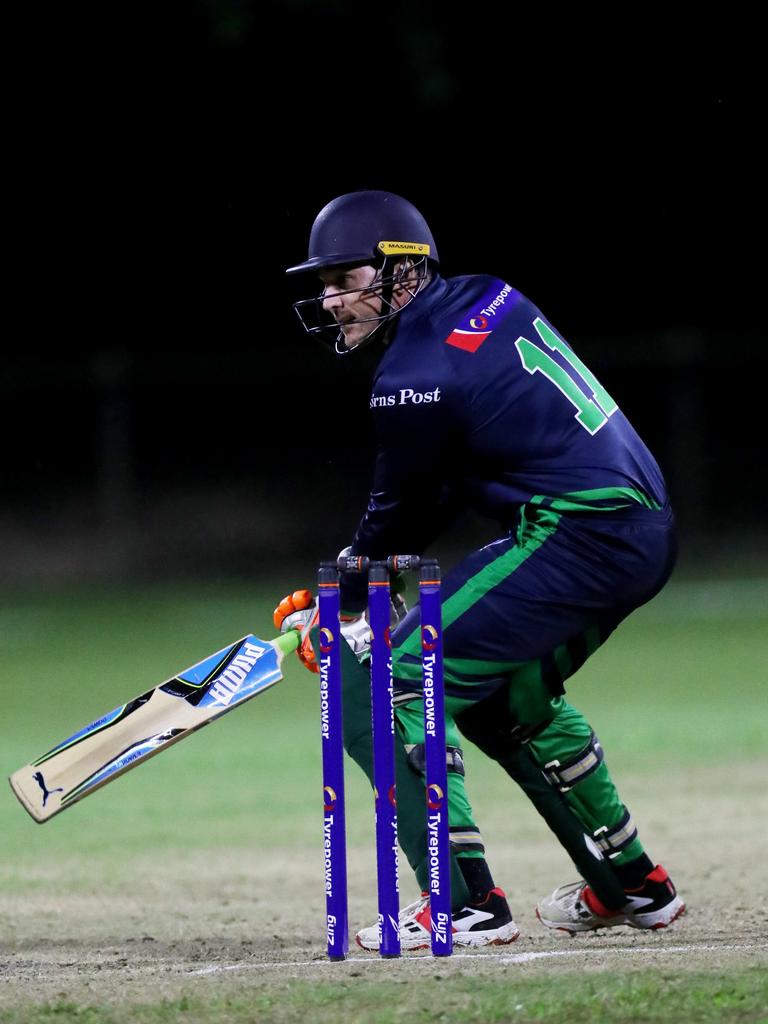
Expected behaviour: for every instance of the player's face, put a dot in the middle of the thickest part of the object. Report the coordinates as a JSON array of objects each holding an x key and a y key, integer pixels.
[{"x": 350, "y": 296}]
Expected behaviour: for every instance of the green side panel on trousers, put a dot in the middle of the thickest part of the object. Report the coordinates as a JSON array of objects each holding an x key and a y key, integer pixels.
[
  {"x": 458, "y": 671},
  {"x": 598, "y": 499},
  {"x": 530, "y": 702},
  {"x": 532, "y": 533}
]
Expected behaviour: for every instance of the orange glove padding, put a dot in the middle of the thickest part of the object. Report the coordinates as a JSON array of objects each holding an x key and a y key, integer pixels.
[{"x": 292, "y": 606}]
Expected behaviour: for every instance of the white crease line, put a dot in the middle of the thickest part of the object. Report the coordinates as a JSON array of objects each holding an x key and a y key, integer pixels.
[{"x": 504, "y": 958}]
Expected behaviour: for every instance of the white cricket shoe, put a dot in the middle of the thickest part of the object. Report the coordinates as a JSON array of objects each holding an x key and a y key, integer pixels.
[
  {"x": 575, "y": 908},
  {"x": 478, "y": 924}
]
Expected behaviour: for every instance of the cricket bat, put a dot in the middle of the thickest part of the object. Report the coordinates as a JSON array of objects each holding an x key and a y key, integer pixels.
[{"x": 138, "y": 730}]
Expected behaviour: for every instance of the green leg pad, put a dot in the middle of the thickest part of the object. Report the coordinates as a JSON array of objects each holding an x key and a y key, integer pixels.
[
  {"x": 594, "y": 800},
  {"x": 489, "y": 728},
  {"x": 411, "y": 793},
  {"x": 410, "y": 723}
]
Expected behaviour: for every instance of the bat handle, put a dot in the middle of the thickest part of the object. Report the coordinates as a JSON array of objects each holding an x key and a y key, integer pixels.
[{"x": 288, "y": 641}]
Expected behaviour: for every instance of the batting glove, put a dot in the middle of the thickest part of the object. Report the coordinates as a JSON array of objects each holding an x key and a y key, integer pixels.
[{"x": 298, "y": 611}]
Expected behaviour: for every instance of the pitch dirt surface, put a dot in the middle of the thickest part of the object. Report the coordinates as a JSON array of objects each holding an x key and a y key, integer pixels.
[
  {"x": 204, "y": 926},
  {"x": 191, "y": 889}
]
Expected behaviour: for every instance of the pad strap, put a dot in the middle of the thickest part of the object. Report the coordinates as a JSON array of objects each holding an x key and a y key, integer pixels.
[
  {"x": 454, "y": 758},
  {"x": 466, "y": 840},
  {"x": 406, "y": 696},
  {"x": 564, "y": 775},
  {"x": 613, "y": 841}
]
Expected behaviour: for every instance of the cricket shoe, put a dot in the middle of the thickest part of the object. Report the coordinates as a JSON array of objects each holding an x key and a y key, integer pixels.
[
  {"x": 575, "y": 908},
  {"x": 488, "y": 923}
]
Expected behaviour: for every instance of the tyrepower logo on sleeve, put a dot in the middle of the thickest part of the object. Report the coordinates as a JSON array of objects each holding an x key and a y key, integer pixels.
[
  {"x": 479, "y": 323},
  {"x": 406, "y": 396}
]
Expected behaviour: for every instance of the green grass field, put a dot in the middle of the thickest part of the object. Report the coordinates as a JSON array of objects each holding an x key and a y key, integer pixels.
[{"x": 185, "y": 859}]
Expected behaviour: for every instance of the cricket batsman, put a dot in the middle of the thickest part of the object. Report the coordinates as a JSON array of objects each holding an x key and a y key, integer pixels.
[{"x": 479, "y": 403}]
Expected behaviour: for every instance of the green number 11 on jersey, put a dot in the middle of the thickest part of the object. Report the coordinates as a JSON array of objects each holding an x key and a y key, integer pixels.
[{"x": 592, "y": 411}]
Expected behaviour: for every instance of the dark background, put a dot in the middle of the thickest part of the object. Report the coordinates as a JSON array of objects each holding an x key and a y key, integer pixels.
[{"x": 164, "y": 415}]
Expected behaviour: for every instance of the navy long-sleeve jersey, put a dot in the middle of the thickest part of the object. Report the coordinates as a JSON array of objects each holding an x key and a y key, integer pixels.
[{"x": 480, "y": 404}]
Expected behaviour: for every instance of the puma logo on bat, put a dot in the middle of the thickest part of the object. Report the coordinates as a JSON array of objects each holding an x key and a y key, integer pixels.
[{"x": 38, "y": 777}]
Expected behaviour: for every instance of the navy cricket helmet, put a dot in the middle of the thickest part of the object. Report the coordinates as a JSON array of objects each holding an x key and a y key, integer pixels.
[{"x": 363, "y": 228}]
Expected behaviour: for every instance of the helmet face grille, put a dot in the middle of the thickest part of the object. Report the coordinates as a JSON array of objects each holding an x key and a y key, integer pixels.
[{"x": 321, "y": 323}]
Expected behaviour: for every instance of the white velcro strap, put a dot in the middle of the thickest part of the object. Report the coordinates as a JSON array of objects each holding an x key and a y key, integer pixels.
[
  {"x": 566, "y": 776},
  {"x": 613, "y": 841}
]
